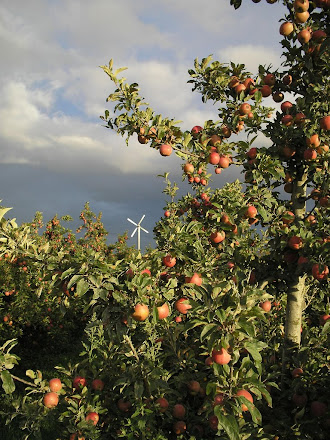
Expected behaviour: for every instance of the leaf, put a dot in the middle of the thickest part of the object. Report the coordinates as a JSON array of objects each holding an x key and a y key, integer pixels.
[
  {"x": 7, "y": 382},
  {"x": 3, "y": 212},
  {"x": 228, "y": 423},
  {"x": 82, "y": 287},
  {"x": 209, "y": 328},
  {"x": 30, "y": 374}
]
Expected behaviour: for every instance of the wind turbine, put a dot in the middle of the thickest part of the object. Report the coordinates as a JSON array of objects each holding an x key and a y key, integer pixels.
[{"x": 138, "y": 229}]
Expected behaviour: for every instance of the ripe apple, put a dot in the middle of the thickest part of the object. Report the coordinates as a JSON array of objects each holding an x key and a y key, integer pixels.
[
  {"x": 169, "y": 261},
  {"x": 286, "y": 106},
  {"x": 240, "y": 88},
  {"x": 50, "y": 400},
  {"x": 304, "y": 36},
  {"x": 179, "y": 411},
  {"x": 208, "y": 361},
  {"x": 325, "y": 123},
  {"x": 319, "y": 36},
  {"x": 217, "y": 236},
  {"x": 287, "y": 120},
  {"x": 163, "y": 311},
  {"x": 188, "y": 168},
  {"x": 252, "y": 153},
  {"x": 194, "y": 387},
  {"x": 215, "y": 140},
  {"x": 79, "y": 382},
  {"x": 301, "y": 5},
  {"x": 251, "y": 212},
  {"x": 247, "y": 395},
  {"x": 269, "y": 79},
  {"x": 244, "y": 109},
  {"x": 287, "y": 80},
  {"x": 55, "y": 384},
  {"x": 266, "y": 306},
  {"x": 97, "y": 385},
  {"x": 323, "y": 275},
  {"x": 266, "y": 91},
  {"x": 92, "y": 417},
  {"x": 313, "y": 141},
  {"x": 224, "y": 161},
  {"x": 141, "y": 312},
  {"x": 214, "y": 158},
  {"x": 324, "y": 318},
  {"x": 299, "y": 399},
  {"x": 225, "y": 130},
  {"x": 318, "y": 409},
  {"x": 147, "y": 271},
  {"x": 288, "y": 217},
  {"x": 295, "y": 242},
  {"x": 221, "y": 357},
  {"x": 162, "y": 404},
  {"x": 301, "y": 17},
  {"x": 278, "y": 96},
  {"x": 297, "y": 372},
  {"x": 286, "y": 28},
  {"x": 213, "y": 422},
  {"x": 310, "y": 154},
  {"x": 165, "y": 150},
  {"x": 124, "y": 405},
  {"x": 179, "y": 427},
  {"x": 218, "y": 399},
  {"x": 182, "y": 305},
  {"x": 195, "y": 279},
  {"x": 300, "y": 119},
  {"x": 196, "y": 130}
]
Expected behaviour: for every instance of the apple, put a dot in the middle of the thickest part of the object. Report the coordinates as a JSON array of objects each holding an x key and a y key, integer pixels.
[
  {"x": 247, "y": 395},
  {"x": 163, "y": 311},
  {"x": 319, "y": 36},
  {"x": 240, "y": 88},
  {"x": 182, "y": 305},
  {"x": 215, "y": 140},
  {"x": 179, "y": 411},
  {"x": 162, "y": 404},
  {"x": 141, "y": 312},
  {"x": 310, "y": 154},
  {"x": 225, "y": 131},
  {"x": 302, "y": 260},
  {"x": 287, "y": 80},
  {"x": 266, "y": 91},
  {"x": 179, "y": 427},
  {"x": 252, "y": 153},
  {"x": 196, "y": 130},
  {"x": 218, "y": 399},
  {"x": 165, "y": 150},
  {"x": 301, "y": 5},
  {"x": 221, "y": 357},
  {"x": 217, "y": 237},
  {"x": 295, "y": 242},
  {"x": 92, "y": 417},
  {"x": 214, "y": 158},
  {"x": 244, "y": 109},
  {"x": 251, "y": 212},
  {"x": 224, "y": 161},
  {"x": 278, "y": 96},
  {"x": 323, "y": 275},
  {"x": 167, "y": 214},
  {"x": 79, "y": 382},
  {"x": 269, "y": 79},
  {"x": 266, "y": 306},
  {"x": 324, "y": 201},
  {"x": 286, "y": 28},
  {"x": 76, "y": 436},
  {"x": 318, "y": 409},
  {"x": 213, "y": 422},
  {"x": 97, "y": 385},
  {"x": 325, "y": 123},
  {"x": 300, "y": 119},
  {"x": 195, "y": 279},
  {"x": 248, "y": 82},
  {"x": 287, "y": 120},
  {"x": 288, "y": 217},
  {"x": 124, "y": 405},
  {"x": 299, "y": 399},
  {"x": 208, "y": 361},
  {"x": 304, "y": 36},
  {"x": 50, "y": 400},
  {"x": 169, "y": 261},
  {"x": 194, "y": 387},
  {"x": 147, "y": 271},
  {"x": 324, "y": 318},
  {"x": 188, "y": 168},
  {"x": 297, "y": 372},
  {"x": 313, "y": 141},
  {"x": 286, "y": 106},
  {"x": 55, "y": 385},
  {"x": 301, "y": 17}
]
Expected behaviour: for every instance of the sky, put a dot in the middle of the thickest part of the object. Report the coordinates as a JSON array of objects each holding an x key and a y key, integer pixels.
[{"x": 55, "y": 153}]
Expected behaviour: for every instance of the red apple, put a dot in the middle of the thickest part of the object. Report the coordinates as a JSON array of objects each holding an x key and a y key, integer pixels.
[
  {"x": 266, "y": 306},
  {"x": 299, "y": 399},
  {"x": 247, "y": 395},
  {"x": 169, "y": 261},
  {"x": 217, "y": 237},
  {"x": 182, "y": 305},
  {"x": 310, "y": 154},
  {"x": 97, "y": 385},
  {"x": 266, "y": 91},
  {"x": 324, "y": 318},
  {"x": 251, "y": 212},
  {"x": 165, "y": 150},
  {"x": 141, "y": 312},
  {"x": 92, "y": 417},
  {"x": 320, "y": 272},
  {"x": 179, "y": 411},
  {"x": 188, "y": 168},
  {"x": 244, "y": 109},
  {"x": 224, "y": 161},
  {"x": 318, "y": 409},
  {"x": 55, "y": 385},
  {"x": 295, "y": 242},
  {"x": 286, "y": 28},
  {"x": 162, "y": 404},
  {"x": 179, "y": 427},
  {"x": 269, "y": 79},
  {"x": 195, "y": 279},
  {"x": 79, "y": 382},
  {"x": 304, "y": 36},
  {"x": 221, "y": 357},
  {"x": 297, "y": 372},
  {"x": 124, "y": 405},
  {"x": 50, "y": 400},
  {"x": 163, "y": 311},
  {"x": 196, "y": 130},
  {"x": 214, "y": 158},
  {"x": 194, "y": 387},
  {"x": 325, "y": 123}
]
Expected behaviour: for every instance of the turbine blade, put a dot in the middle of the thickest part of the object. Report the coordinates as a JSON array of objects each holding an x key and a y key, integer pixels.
[
  {"x": 144, "y": 230},
  {"x": 142, "y": 218},
  {"x": 132, "y": 221},
  {"x": 133, "y": 232}
]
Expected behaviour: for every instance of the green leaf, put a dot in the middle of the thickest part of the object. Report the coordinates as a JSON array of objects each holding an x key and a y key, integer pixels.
[
  {"x": 7, "y": 382},
  {"x": 3, "y": 211},
  {"x": 82, "y": 287},
  {"x": 228, "y": 423},
  {"x": 209, "y": 328},
  {"x": 30, "y": 374}
]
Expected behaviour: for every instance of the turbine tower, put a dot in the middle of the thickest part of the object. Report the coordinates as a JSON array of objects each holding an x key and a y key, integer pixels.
[{"x": 138, "y": 229}]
